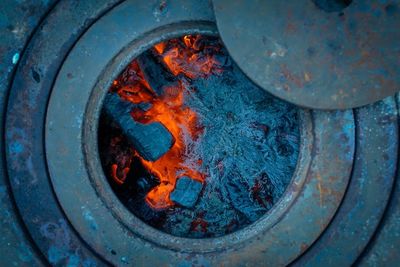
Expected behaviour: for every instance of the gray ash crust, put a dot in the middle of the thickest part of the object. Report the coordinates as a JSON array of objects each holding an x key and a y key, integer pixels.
[{"x": 249, "y": 149}]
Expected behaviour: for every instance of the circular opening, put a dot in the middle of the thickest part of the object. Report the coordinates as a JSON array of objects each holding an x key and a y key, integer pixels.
[
  {"x": 332, "y": 5},
  {"x": 192, "y": 147}
]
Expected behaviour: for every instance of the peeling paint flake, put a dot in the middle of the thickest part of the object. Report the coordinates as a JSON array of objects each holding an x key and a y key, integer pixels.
[{"x": 15, "y": 58}]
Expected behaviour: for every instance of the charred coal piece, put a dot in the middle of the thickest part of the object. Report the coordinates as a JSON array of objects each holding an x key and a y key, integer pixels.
[
  {"x": 151, "y": 140},
  {"x": 155, "y": 72},
  {"x": 186, "y": 192}
]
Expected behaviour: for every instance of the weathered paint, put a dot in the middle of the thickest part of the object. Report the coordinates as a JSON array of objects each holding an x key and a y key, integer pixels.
[
  {"x": 336, "y": 59},
  {"x": 319, "y": 210}
]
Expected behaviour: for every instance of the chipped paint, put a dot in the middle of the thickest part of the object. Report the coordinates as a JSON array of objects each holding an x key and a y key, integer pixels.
[{"x": 15, "y": 58}]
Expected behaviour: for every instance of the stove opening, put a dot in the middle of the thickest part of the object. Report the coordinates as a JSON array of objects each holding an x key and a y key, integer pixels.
[{"x": 190, "y": 145}]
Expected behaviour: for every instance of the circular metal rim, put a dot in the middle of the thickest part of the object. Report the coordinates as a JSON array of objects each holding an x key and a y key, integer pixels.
[
  {"x": 374, "y": 172},
  {"x": 101, "y": 184},
  {"x": 295, "y": 72},
  {"x": 382, "y": 250},
  {"x": 24, "y": 124},
  {"x": 48, "y": 71},
  {"x": 324, "y": 122}
]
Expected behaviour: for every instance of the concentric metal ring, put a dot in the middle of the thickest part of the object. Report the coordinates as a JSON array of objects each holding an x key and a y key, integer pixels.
[
  {"x": 318, "y": 214},
  {"x": 319, "y": 196}
]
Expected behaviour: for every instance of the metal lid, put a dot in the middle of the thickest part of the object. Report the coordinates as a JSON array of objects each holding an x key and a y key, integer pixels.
[{"x": 326, "y": 54}]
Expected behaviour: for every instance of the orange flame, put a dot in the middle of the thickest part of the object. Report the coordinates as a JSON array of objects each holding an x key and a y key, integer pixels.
[
  {"x": 114, "y": 174},
  {"x": 189, "y": 60},
  {"x": 177, "y": 118},
  {"x": 181, "y": 58}
]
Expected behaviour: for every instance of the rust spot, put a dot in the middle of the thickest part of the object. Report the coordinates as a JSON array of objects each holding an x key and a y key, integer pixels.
[
  {"x": 321, "y": 190},
  {"x": 303, "y": 247},
  {"x": 291, "y": 77},
  {"x": 290, "y": 28}
]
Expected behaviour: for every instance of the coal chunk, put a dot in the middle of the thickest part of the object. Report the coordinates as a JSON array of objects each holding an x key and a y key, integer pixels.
[
  {"x": 151, "y": 140},
  {"x": 186, "y": 191},
  {"x": 155, "y": 73}
]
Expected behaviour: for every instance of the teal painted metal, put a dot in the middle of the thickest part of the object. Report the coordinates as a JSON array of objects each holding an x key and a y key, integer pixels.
[
  {"x": 323, "y": 54},
  {"x": 26, "y": 164},
  {"x": 17, "y": 22}
]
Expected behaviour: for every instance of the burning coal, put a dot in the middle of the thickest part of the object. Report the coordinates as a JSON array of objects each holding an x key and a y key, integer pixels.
[
  {"x": 189, "y": 59},
  {"x": 193, "y": 147}
]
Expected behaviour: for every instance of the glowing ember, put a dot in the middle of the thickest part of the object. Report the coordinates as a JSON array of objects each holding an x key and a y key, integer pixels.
[
  {"x": 193, "y": 59},
  {"x": 186, "y": 58},
  {"x": 123, "y": 154}
]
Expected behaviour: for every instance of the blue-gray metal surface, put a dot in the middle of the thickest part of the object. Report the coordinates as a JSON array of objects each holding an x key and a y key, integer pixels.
[
  {"x": 383, "y": 250},
  {"x": 24, "y": 130},
  {"x": 334, "y": 212},
  {"x": 371, "y": 182},
  {"x": 313, "y": 54},
  {"x": 18, "y": 20}
]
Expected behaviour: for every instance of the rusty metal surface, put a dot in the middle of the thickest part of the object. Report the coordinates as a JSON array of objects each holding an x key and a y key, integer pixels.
[
  {"x": 335, "y": 207},
  {"x": 383, "y": 250},
  {"x": 368, "y": 192},
  {"x": 17, "y": 22},
  {"x": 25, "y": 116},
  {"x": 313, "y": 58}
]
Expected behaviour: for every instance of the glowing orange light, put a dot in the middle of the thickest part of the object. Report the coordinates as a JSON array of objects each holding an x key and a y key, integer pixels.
[
  {"x": 114, "y": 174},
  {"x": 170, "y": 110}
]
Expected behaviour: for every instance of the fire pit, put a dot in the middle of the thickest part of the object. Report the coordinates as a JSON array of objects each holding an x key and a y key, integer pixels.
[{"x": 190, "y": 145}]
